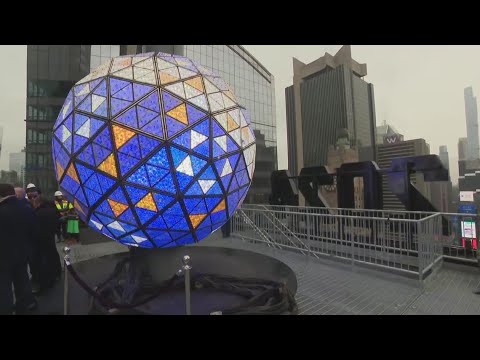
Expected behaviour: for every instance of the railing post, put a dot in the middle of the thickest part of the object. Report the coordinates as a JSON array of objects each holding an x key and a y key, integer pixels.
[
  {"x": 66, "y": 262},
  {"x": 186, "y": 271}
]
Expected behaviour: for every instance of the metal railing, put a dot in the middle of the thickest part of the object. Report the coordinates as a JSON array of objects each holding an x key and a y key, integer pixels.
[{"x": 412, "y": 242}]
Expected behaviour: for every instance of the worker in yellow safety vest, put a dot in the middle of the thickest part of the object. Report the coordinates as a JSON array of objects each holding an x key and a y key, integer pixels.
[{"x": 63, "y": 207}]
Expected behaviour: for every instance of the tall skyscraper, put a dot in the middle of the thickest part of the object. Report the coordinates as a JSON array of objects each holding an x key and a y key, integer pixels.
[
  {"x": 329, "y": 98},
  {"x": 1, "y": 138},
  {"x": 471, "y": 114},
  {"x": 54, "y": 69},
  {"x": 443, "y": 154},
  {"x": 17, "y": 164}
]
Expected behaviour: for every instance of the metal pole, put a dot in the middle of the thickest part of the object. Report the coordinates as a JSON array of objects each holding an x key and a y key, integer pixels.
[
  {"x": 66, "y": 262},
  {"x": 186, "y": 269}
]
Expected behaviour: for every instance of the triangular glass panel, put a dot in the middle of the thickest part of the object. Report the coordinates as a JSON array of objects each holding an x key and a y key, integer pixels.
[
  {"x": 194, "y": 114},
  {"x": 87, "y": 156},
  {"x": 128, "y": 118},
  {"x": 145, "y": 116},
  {"x": 195, "y": 189},
  {"x": 100, "y": 154},
  {"x": 158, "y": 223},
  {"x": 218, "y": 218},
  {"x": 101, "y": 110},
  {"x": 169, "y": 101},
  {"x": 147, "y": 144},
  {"x": 80, "y": 196},
  {"x": 199, "y": 209},
  {"x": 154, "y": 127},
  {"x": 183, "y": 180},
  {"x": 104, "y": 139},
  {"x": 127, "y": 163},
  {"x": 155, "y": 174},
  {"x": 93, "y": 184},
  {"x": 86, "y": 105},
  {"x": 200, "y": 101},
  {"x": 151, "y": 102},
  {"x": 118, "y": 105},
  {"x": 177, "y": 89},
  {"x": 78, "y": 142},
  {"x": 212, "y": 203},
  {"x": 140, "y": 90},
  {"x": 166, "y": 184},
  {"x": 83, "y": 172},
  {"x": 162, "y": 200},
  {"x": 179, "y": 225},
  {"x": 177, "y": 155},
  {"x": 185, "y": 240},
  {"x": 183, "y": 140},
  {"x": 131, "y": 148},
  {"x": 144, "y": 215},
  {"x": 92, "y": 196},
  {"x": 139, "y": 177},
  {"x": 125, "y": 94},
  {"x": 117, "y": 85},
  {"x": 217, "y": 149},
  {"x": 191, "y": 203},
  {"x": 173, "y": 126},
  {"x": 80, "y": 120},
  {"x": 217, "y": 130},
  {"x": 136, "y": 194},
  {"x": 226, "y": 180},
  {"x": 105, "y": 183},
  {"x": 231, "y": 145},
  {"x": 101, "y": 89},
  {"x": 118, "y": 196},
  {"x": 203, "y": 232},
  {"x": 197, "y": 164},
  {"x": 160, "y": 159},
  {"x": 105, "y": 220},
  {"x": 95, "y": 223}
]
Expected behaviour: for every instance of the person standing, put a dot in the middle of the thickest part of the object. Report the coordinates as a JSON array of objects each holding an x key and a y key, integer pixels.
[
  {"x": 63, "y": 207},
  {"x": 48, "y": 258},
  {"x": 32, "y": 193},
  {"x": 17, "y": 232}
]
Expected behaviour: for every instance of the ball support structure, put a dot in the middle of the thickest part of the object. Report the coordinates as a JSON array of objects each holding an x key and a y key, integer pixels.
[{"x": 153, "y": 161}]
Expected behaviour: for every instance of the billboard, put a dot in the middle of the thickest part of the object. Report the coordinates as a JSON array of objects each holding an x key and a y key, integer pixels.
[
  {"x": 392, "y": 139},
  {"x": 467, "y": 196}
]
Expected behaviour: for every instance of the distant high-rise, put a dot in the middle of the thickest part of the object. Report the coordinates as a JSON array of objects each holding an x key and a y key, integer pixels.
[
  {"x": 17, "y": 164},
  {"x": 471, "y": 114},
  {"x": 462, "y": 149},
  {"x": 443, "y": 154},
  {"x": 329, "y": 98},
  {"x": 1, "y": 136}
]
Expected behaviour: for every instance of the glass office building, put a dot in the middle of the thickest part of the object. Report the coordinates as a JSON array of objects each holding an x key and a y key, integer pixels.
[{"x": 53, "y": 69}]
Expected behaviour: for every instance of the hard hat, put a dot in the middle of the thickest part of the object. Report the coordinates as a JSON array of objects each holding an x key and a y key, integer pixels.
[
  {"x": 31, "y": 186},
  {"x": 58, "y": 193}
]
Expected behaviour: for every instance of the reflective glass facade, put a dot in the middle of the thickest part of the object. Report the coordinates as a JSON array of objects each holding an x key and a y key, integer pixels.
[{"x": 254, "y": 87}]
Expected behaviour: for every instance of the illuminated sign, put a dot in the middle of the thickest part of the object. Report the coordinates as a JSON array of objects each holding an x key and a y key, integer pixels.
[{"x": 467, "y": 196}]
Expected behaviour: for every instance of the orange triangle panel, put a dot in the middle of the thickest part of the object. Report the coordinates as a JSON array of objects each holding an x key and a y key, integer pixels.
[{"x": 108, "y": 166}]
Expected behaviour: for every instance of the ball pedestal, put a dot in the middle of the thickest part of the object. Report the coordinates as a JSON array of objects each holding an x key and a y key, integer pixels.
[{"x": 207, "y": 280}]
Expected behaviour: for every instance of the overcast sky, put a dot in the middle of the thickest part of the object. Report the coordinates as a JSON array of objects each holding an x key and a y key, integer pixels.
[{"x": 418, "y": 89}]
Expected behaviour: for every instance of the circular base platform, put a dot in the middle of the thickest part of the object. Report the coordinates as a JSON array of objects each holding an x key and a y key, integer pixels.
[{"x": 164, "y": 263}]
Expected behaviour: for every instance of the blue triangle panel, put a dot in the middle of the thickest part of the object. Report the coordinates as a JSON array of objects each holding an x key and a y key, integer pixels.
[
  {"x": 139, "y": 177},
  {"x": 203, "y": 127},
  {"x": 158, "y": 223},
  {"x": 200, "y": 208},
  {"x": 217, "y": 129},
  {"x": 131, "y": 148},
  {"x": 101, "y": 89},
  {"x": 177, "y": 155},
  {"x": 135, "y": 193},
  {"x": 104, "y": 139},
  {"x": 84, "y": 172},
  {"x": 106, "y": 183},
  {"x": 162, "y": 200},
  {"x": 80, "y": 119},
  {"x": 116, "y": 85},
  {"x": 69, "y": 184},
  {"x": 202, "y": 233},
  {"x": 155, "y": 174},
  {"x": 194, "y": 114},
  {"x": 125, "y": 94},
  {"x": 140, "y": 90},
  {"x": 180, "y": 225},
  {"x": 217, "y": 150},
  {"x": 93, "y": 183},
  {"x": 80, "y": 196},
  {"x": 145, "y": 116},
  {"x": 86, "y": 105},
  {"x": 226, "y": 181},
  {"x": 118, "y": 105},
  {"x": 183, "y": 180},
  {"x": 219, "y": 217},
  {"x": 118, "y": 196},
  {"x": 185, "y": 240},
  {"x": 78, "y": 142},
  {"x": 192, "y": 203},
  {"x": 126, "y": 162},
  {"x": 87, "y": 156},
  {"x": 231, "y": 145},
  {"x": 212, "y": 203},
  {"x": 95, "y": 125},
  {"x": 105, "y": 209},
  {"x": 147, "y": 144},
  {"x": 170, "y": 101},
  {"x": 195, "y": 189},
  {"x": 100, "y": 154},
  {"x": 166, "y": 184},
  {"x": 173, "y": 126},
  {"x": 151, "y": 102},
  {"x": 155, "y": 127},
  {"x": 160, "y": 159},
  {"x": 144, "y": 215},
  {"x": 92, "y": 196},
  {"x": 128, "y": 118},
  {"x": 183, "y": 140},
  {"x": 102, "y": 109}
]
